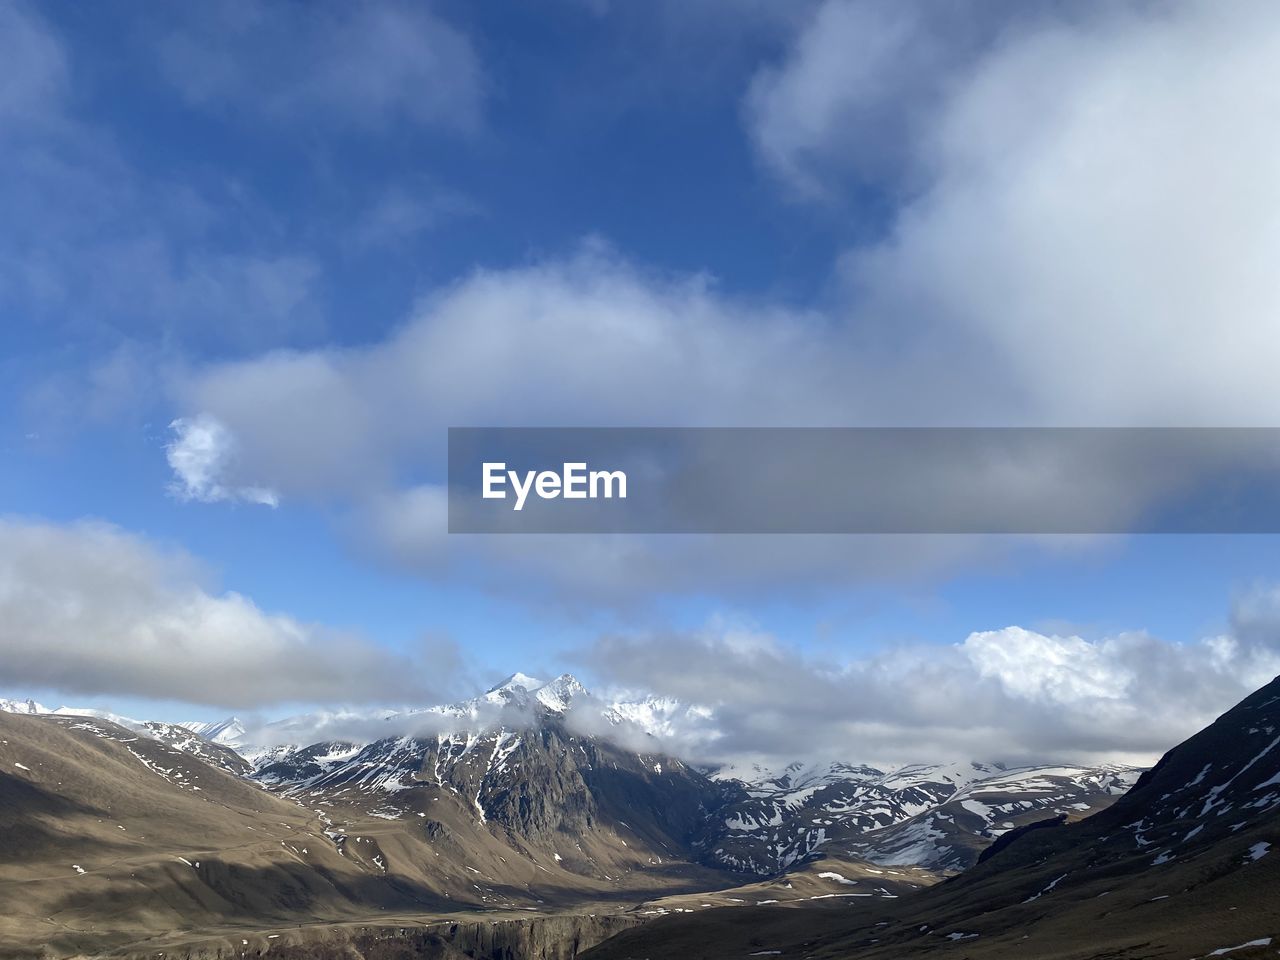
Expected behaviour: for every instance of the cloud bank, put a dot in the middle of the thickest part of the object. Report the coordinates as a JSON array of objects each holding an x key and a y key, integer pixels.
[
  {"x": 1010, "y": 694},
  {"x": 727, "y": 694},
  {"x": 87, "y": 609}
]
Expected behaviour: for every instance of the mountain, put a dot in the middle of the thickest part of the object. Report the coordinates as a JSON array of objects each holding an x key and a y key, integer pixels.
[
  {"x": 558, "y": 694},
  {"x": 275, "y": 740},
  {"x": 179, "y": 736},
  {"x": 519, "y": 771},
  {"x": 939, "y": 816},
  {"x": 1178, "y": 867},
  {"x": 22, "y": 706},
  {"x": 106, "y": 836},
  {"x": 228, "y": 732}
]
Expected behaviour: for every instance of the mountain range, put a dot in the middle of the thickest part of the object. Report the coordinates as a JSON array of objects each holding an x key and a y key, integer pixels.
[
  {"x": 938, "y": 816},
  {"x": 132, "y": 837},
  {"x": 138, "y": 836}
]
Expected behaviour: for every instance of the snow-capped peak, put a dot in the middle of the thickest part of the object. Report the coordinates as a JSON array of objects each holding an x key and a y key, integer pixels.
[
  {"x": 128, "y": 723},
  {"x": 560, "y": 692},
  {"x": 517, "y": 680},
  {"x": 556, "y": 695},
  {"x": 22, "y": 706},
  {"x": 228, "y": 732}
]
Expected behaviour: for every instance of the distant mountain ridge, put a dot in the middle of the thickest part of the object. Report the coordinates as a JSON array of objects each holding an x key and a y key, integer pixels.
[
  {"x": 227, "y": 732},
  {"x": 939, "y": 816}
]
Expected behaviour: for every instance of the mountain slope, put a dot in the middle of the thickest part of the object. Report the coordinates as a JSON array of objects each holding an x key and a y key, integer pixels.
[
  {"x": 1181, "y": 866},
  {"x": 227, "y": 733},
  {"x": 105, "y": 836},
  {"x": 184, "y": 737},
  {"x": 27, "y": 706},
  {"x": 110, "y": 841},
  {"x": 593, "y": 808},
  {"x": 939, "y": 816}
]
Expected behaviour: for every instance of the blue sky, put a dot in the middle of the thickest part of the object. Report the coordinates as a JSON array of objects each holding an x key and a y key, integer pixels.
[{"x": 272, "y": 252}]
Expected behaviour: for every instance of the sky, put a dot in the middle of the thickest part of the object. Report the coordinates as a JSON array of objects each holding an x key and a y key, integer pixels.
[{"x": 256, "y": 259}]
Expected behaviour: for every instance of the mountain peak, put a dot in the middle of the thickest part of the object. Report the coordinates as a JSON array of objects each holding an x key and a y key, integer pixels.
[
  {"x": 555, "y": 694},
  {"x": 560, "y": 692},
  {"x": 227, "y": 732},
  {"x": 22, "y": 706},
  {"x": 517, "y": 679}
]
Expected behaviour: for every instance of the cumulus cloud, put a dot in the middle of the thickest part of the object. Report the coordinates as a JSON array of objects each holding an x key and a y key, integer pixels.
[
  {"x": 1065, "y": 203},
  {"x": 358, "y": 65},
  {"x": 198, "y": 454},
  {"x": 1011, "y": 694},
  {"x": 859, "y": 92},
  {"x": 859, "y": 81},
  {"x": 91, "y": 610},
  {"x": 1079, "y": 222},
  {"x": 591, "y": 338}
]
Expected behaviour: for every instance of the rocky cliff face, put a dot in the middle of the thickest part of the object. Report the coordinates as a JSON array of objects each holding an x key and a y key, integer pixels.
[{"x": 540, "y": 785}]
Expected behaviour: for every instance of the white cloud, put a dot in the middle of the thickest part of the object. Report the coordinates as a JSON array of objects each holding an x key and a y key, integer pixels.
[
  {"x": 590, "y": 339},
  {"x": 849, "y": 93},
  {"x": 1033, "y": 666},
  {"x": 1012, "y": 694},
  {"x": 587, "y": 339},
  {"x": 91, "y": 610},
  {"x": 198, "y": 455},
  {"x": 1089, "y": 201}
]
